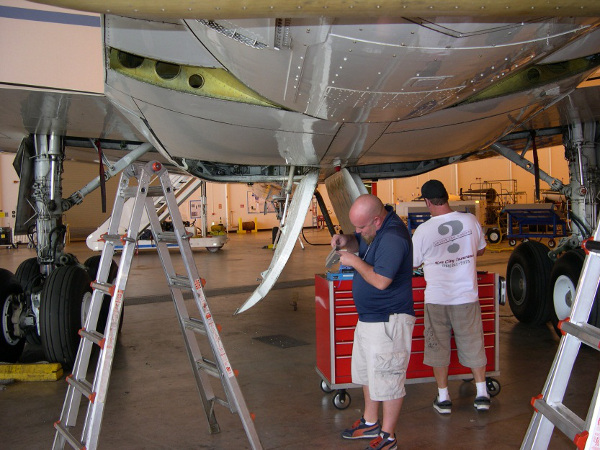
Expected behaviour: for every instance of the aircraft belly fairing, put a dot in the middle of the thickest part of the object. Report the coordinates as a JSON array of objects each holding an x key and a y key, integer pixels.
[
  {"x": 205, "y": 128},
  {"x": 409, "y": 81},
  {"x": 343, "y": 70}
]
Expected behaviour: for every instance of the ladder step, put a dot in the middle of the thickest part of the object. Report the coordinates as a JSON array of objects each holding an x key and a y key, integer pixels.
[
  {"x": 224, "y": 403},
  {"x": 155, "y": 191},
  {"x": 170, "y": 237},
  {"x": 209, "y": 367},
  {"x": 129, "y": 192},
  {"x": 93, "y": 336},
  {"x": 107, "y": 288},
  {"x": 195, "y": 325},
  {"x": 167, "y": 236},
  {"x": 116, "y": 238},
  {"x": 180, "y": 281},
  {"x": 586, "y": 333},
  {"x": 561, "y": 416},
  {"x": 74, "y": 442},
  {"x": 82, "y": 386}
]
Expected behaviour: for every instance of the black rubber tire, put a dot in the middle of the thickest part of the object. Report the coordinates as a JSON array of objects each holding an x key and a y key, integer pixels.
[
  {"x": 11, "y": 346},
  {"x": 570, "y": 265},
  {"x": 341, "y": 400},
  {"x": 325, "y": 387},
  {"x": 493, "y": 386},
  {"x": 92, "y": 264},
  {"x": 31, "y": 280},
  {"x": 494, "y": 236},
  {"x": 527, "y": 281},
  {"x": 28, "y": 273},
  {"x": 60, "y": 312}
]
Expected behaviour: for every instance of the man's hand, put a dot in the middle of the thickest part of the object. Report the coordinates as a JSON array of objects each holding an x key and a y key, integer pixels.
[
  {"x": 339, "y": 241},
  {"x": 348, "y": 259},
  {"x": 346, "y": 241}
]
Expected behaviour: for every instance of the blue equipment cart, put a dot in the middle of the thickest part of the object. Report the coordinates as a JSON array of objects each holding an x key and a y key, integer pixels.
[{"x": 534, "y": 220}]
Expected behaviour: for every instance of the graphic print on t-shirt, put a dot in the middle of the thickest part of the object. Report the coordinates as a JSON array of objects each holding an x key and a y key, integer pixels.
[{"x": 454, "y": 227}]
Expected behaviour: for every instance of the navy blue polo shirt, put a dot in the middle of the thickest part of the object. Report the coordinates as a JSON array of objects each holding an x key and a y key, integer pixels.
[{"x": 390, "y": 254}]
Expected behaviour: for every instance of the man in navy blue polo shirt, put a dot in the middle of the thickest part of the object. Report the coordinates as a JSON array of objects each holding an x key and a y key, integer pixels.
[{"x": 380, "y": 251}]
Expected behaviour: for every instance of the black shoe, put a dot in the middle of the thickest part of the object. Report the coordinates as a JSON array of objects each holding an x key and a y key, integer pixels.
[
  {"x": 482, "y": 403},
  {"x": 444, "y": 407}
]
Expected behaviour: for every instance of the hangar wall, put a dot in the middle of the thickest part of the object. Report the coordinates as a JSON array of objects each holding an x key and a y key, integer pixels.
[{"x": 230, "y": 202}]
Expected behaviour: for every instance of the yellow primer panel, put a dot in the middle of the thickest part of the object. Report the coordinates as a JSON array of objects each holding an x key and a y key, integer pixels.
[
  {"x": 31, "y": 372},
  {"x": 216, "y": 83}
]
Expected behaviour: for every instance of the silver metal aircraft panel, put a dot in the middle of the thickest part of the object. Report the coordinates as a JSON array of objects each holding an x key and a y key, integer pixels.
[
  {"x": 343, "y": 188},
  {"x": 384, "y": 71},
  {"x": 166, "y": 41},
  {"x": 76, "y": 114},
  {"x": 217, "y": 130},
  {"x": 473, "y": 126},
  {"x": 287, "y": 241}
]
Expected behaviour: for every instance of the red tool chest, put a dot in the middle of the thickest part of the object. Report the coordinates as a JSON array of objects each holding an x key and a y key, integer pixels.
[{"x": 336, "y": 319}]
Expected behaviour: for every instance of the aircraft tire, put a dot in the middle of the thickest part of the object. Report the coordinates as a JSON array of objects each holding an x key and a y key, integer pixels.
[
  {"x": 92, "y": 264},
  {"x": 30, "y": 278},
  {"x": 60, "y": 312},
  {"x": 11, "y": 346},
  {"x": 563, "y": 281},
  {"x": 28, "y": 273},
  {"x": 527, "y": 281}
]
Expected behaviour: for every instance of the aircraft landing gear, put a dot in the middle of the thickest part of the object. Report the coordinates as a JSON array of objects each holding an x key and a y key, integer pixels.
[
  {"x": 11, "y": 343},
  {"x": 563, "y": 282},
  {"x": 31, "y": 280},
  {"x": 527, "y": 278},
  {"x": 60, "y": 312}
]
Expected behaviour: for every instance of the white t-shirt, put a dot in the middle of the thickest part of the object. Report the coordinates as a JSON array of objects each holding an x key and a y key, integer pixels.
[{"x": 447, "y": 247}]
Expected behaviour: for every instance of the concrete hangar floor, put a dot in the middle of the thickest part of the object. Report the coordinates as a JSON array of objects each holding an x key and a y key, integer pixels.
[{"x": 153, "y": 403}]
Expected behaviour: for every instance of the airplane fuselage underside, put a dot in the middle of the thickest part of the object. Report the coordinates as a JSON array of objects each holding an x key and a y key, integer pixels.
[{"x": 338, "y": 92}]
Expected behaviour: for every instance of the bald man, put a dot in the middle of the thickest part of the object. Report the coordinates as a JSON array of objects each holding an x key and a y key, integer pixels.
[{"x": 380, "y": 251}]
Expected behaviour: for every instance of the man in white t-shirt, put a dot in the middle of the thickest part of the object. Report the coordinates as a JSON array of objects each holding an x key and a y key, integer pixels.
[{"x": 447, "y": 246}]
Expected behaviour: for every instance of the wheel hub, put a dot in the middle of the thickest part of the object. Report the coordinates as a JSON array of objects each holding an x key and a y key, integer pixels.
[
  {"x": 10, "y": 322},
  {"x": 563, "y": 296},
  {"x": 85, "y": 306},
  {"x": 518, "y": 284}
]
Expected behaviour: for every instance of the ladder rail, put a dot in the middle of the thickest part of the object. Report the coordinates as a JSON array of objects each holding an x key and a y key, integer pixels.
[
  {"x": 95, "y": 411},
  {"x": 230, "y": 384},
  {"x": 203, "y": 383},
  {"x": 82, "y": 359}
]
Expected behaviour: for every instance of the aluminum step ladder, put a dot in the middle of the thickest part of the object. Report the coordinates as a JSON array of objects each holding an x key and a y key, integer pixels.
[
  {"x": 192, "y": 328},
  {"x": 549, "y": 409}
]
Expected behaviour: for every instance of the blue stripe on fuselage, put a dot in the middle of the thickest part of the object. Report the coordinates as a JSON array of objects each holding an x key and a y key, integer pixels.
[{"x": 37, "y": 15}]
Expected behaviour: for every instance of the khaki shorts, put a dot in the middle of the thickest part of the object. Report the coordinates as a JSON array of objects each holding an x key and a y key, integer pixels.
[
  {"x": 380, "y": 356},
  {"x": 465, "y": 320}
]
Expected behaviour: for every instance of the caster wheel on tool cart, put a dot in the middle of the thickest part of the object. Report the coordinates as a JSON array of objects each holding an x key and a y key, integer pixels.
[
  {"x": 493, "y": 386},
  {"x": 325, "y": 387},
  {"x": 341, "y": 400}
]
